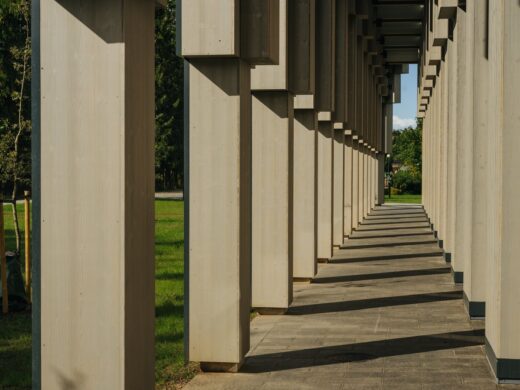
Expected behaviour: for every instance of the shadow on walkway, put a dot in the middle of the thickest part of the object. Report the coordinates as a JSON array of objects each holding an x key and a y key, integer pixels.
[
  {"x": 358, "y": 237},
  {"x": 361, "y": 304},
  {"x": 388, "y": 245},
  {"x": 382, "y": 275},
  {"x": 339, "y": 260},
  {"x": 312, "y": 357}
]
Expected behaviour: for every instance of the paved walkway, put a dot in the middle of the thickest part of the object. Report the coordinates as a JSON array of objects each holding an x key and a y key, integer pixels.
[{"x": 383, "y": 314}]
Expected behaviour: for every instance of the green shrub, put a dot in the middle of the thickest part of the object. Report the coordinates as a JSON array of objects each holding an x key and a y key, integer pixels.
[
  {"x": 407, "y": 181},
  {"x": 395, "y": 191}
]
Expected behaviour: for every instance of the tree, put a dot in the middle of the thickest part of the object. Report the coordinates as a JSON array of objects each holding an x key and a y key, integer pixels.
[
  {"x": 407, "y": 147},
  {"x": 15, "y": 123},
  {"x": 169, "y": 87}
]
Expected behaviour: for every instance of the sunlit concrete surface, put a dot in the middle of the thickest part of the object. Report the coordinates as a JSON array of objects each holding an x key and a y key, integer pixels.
[{"x": 382, "y": 314}]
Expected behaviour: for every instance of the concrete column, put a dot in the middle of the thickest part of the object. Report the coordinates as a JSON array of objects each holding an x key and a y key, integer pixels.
[
  {"x": 272, "y": 178},
  {"x": 370, "y": 177},
  {"x": 373, "y": 180},
  {"x": 503, "y": 272},
  {"x": 361, "y": 180},
  {"x": 380, "y": 167},
  {"x": 338, "y": 186},
  {"x": 324, "y": 191},
  {"x": 302, "y": 59},
  {"x": 355, "y": 181},
  {"x": 93, "y": 140},
  {"x": 273, "y": 121},
  {"x": 347, "y": 220},
  {"x": 452, "y": 146},
  {"x": 218, "y": 184},
  {"x": 324, "y": 104},
  {"x": 304, "y": 194},
  {"x": 475, "y": 269},
  {"x": 366, "y": 180},
  {"x": 438, "y": 158},
  {"x": 464, "y": 145},
  {"x": 219, "y": 190}
]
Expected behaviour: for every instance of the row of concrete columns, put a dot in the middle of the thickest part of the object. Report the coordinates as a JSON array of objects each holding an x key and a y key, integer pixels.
[
  {"x": 287, "y": 122},
  {"x": 469, "y": 89},
  {"x": 286, "y": 156}
]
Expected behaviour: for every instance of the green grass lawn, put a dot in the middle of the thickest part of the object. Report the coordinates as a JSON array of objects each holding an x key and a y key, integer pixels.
[
  {"x": 403, "y": 199},
  {"x": 15, "y": 329}
]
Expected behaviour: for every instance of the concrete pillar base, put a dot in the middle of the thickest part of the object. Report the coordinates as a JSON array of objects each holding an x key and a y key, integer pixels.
[
  {"x": 302, "y": 280},
  {"x": 475, "y": 310},
  {"x": 271, "y": 311},
  {"x": 447, "y": 257},
  {"x": 220, "y": 367},
  {"x": 458, "y": 277},
  {"x": 507, "y": 371}
]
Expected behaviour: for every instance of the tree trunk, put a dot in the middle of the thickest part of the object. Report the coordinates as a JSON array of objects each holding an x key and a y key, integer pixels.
[
  {"x": 16, "y": 226},
  {"x": 21, "y": 125}
]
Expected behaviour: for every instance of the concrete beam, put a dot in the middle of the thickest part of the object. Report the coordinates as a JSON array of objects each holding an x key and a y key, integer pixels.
[
  {"x": 302, "y": 47},
  {"x": 246, "y": 29},
  {"x": 203, "y": 34},
  {"x": 441, "y": 32},
  {"x": 341, "y": 62},
  {"x": 447, "y": 9},
  {"x": 260, "y": 25},
  {"x": 325, "y": 47},
  {"x": 304, "y": 102},
  {"x": 276, "y": 77}
]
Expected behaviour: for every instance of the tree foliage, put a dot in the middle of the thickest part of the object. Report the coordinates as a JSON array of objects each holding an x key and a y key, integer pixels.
[
  {"x": 15, "y": 124},
  {"x": 407, "y": 181},
  {"x": 169, "y": 86},
  {"x": 407, "y": 147},
  {"x": 407, "y": 150}
]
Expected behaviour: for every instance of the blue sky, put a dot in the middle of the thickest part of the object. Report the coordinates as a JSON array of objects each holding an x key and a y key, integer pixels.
[{"x": 406, "y": 111}]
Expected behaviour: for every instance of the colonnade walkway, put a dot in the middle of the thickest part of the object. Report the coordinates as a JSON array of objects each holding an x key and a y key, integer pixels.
[{"x": 384, "y": 313}]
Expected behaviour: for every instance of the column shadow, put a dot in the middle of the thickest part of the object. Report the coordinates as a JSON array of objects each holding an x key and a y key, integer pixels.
[
  {"x": 393, "y": 228},
  {"x": 389, "y": 245},
  {"x": 382, "y": 275},
  {"x": 339, "y": 260},
  {"x": 427, "y": 233},
  {"x": 371, "y": 303},
  {"x": 377, "y": 217},
  {"x": 358, "y": 352},
  {"x": 368, "y": 222}
]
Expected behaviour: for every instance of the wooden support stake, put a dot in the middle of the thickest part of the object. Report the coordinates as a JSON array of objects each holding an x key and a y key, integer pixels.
[
  {"x": 3, "y": 263},
  {"x": 27, "y": 196}
]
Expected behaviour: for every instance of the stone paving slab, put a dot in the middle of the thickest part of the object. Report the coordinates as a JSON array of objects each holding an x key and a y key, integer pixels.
[{"x": 387, "y": 316}]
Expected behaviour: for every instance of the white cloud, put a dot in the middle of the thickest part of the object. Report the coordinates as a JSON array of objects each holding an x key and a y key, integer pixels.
[{"x": 402, "y": 123}]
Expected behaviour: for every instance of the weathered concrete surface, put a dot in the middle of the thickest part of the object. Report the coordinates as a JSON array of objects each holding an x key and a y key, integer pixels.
[{"x": 383, "y": 317}]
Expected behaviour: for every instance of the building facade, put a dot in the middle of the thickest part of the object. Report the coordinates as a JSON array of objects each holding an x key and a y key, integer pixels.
[{"x": 288, "y": 119}]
